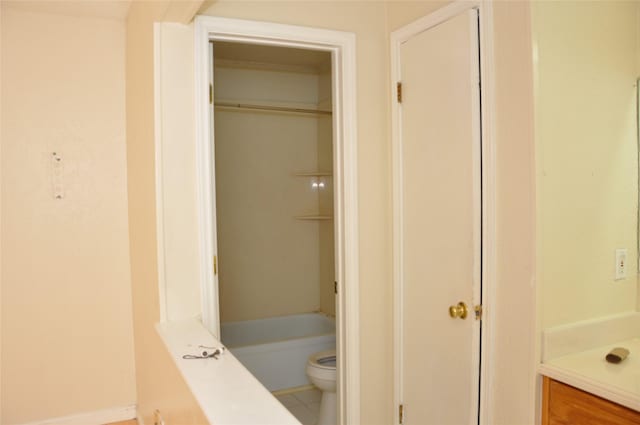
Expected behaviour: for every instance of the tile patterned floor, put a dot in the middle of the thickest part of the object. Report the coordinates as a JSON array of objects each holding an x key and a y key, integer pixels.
[{"x": 304, "y": 405}]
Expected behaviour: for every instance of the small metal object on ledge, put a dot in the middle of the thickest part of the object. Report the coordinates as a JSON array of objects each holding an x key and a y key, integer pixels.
[{"x": 205, "y": 354}]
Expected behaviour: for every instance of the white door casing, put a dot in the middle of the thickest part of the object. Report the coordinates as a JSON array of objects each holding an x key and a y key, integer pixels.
[
  {"x": 440, "y": 214},
  {"x": 342, "y": 48}
]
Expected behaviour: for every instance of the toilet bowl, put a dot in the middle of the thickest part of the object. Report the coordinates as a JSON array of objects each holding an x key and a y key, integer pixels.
[{"x": 321, "y": 370}]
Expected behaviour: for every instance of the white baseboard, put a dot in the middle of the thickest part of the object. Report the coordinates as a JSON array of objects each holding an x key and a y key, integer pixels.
[{"x": 98, "y": 417}]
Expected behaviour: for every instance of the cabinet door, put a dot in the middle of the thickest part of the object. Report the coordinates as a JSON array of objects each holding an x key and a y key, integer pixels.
[{"x": 566, "y": 405}]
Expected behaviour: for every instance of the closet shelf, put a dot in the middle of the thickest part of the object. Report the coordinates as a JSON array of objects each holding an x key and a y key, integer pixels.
[
  {"x": 314, "y": 217},
  {"x": 313, "y": 174},
  {"x": 269, "y": 108}
]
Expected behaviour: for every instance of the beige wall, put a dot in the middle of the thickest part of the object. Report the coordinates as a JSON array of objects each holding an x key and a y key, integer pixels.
[
  {"x": 400, "y": 12},
  {"x": 159, "y": 384},
  {"x": 367, "y": 20},
  {"x": 1, "y": 104},
  {"x": 67, "y": 340},
  {"x": 512, "y": 382},
  {"x": 587, "y": 156}
]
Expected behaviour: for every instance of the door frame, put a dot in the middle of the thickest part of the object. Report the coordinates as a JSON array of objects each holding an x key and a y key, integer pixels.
[
  {"x": 488, "y": 187},
  {"x": 342, "y": 48}
]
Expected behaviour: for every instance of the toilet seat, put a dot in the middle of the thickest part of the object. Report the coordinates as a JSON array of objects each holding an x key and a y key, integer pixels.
[
  {"x": 322, "y": 366},
  {"x": 323, "y": 360}
]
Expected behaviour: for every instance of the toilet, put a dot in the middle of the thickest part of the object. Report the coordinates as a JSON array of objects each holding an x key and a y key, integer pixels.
[{"x": 321, "y": 370}]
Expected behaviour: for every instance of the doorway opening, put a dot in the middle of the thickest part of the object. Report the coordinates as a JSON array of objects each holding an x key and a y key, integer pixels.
[
  {"x": 252, "y": 46},
  {"x": 273, "y": 154}
]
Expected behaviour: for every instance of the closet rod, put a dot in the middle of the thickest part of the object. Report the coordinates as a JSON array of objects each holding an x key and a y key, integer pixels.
[{"x": 271, "y": 108}]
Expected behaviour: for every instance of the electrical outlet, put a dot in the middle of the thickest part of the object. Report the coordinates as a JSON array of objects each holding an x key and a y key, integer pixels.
[{"x": 621, "y": 264}]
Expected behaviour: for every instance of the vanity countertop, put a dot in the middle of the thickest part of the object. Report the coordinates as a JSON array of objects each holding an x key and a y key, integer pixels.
[{"x": 589, "y": 371}]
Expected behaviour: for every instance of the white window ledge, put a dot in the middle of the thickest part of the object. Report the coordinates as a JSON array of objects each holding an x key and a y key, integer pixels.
[{"x": 226, "y": 391}]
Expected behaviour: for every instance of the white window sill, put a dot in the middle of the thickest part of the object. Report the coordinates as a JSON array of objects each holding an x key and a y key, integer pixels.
[{"x": 227, "y": 393}]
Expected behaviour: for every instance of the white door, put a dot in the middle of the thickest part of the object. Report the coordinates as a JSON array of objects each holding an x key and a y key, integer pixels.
[{"x": 440, "y": 223}]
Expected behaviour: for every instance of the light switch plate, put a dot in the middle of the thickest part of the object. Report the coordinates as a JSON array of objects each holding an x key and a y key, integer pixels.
[
  {"x": 621, "y": 264},
  {"x": 57, "y": 175}
]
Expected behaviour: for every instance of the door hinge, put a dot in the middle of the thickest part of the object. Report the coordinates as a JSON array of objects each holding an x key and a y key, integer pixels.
[
  {"x": 478, "y": 311},
  {"x": 335, "y": 287},
  {"x": 215, "y": 265},
  {"x": 211, "y": 94},
  {"x": 401, "y": 414},
  {"x": 399, "y": 91}
]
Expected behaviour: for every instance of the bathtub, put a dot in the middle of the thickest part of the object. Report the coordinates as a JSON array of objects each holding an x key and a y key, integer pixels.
[{"x": 275, "y": 350}]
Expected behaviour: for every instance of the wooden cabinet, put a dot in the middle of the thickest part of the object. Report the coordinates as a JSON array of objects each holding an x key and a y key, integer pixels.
[{"x": 566, "y": 405}]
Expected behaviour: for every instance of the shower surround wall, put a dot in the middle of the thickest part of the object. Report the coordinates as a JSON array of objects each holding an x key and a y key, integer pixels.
[{"x": 272, "y": 264}]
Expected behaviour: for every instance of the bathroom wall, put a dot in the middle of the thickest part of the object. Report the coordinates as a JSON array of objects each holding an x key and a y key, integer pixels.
[
  {"x": 67, "y": 337},
  {"x": 268, "y": 261},
  {"x": 587, "y": 65}
]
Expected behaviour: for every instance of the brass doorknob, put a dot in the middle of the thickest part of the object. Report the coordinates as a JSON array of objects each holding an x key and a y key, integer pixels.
[{"x": 459, "y": 310}]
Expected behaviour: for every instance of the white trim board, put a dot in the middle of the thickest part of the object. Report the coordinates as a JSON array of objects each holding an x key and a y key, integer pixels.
[
  {"x": 98, "y": 417},
  {"x": 160, "y": 230},
  {"x": 342, "y": 48},
  {"x": 488, "y": 188}
]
